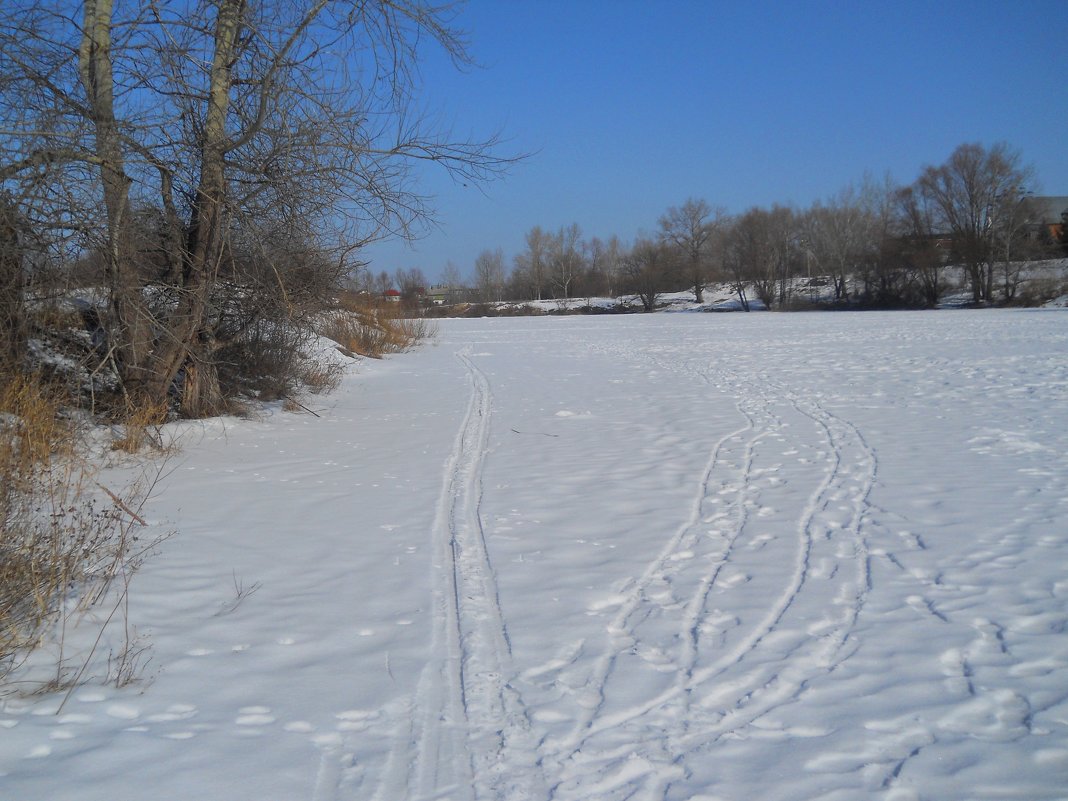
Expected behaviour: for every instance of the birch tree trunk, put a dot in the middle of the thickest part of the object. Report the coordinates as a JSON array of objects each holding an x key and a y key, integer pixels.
[{"x": 130, "y": 326}]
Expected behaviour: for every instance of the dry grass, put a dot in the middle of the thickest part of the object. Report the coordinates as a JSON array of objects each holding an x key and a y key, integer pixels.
[
  {"x": 318, "y": 377},
  {"x": 64, "y": 538},
  {"x": 31, "y": 432},
  {"x": 141, "y": 427},
  {"x": 369, "y": 328}
]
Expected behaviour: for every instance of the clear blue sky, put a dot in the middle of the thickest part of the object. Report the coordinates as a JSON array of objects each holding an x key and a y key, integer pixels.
[{"x": 631, "y": 107}]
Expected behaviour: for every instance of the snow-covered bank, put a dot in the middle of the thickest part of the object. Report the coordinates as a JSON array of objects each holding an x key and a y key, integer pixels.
[
  {"x": 1034, "y": 284},
  {"x": 659, "y": 556}
]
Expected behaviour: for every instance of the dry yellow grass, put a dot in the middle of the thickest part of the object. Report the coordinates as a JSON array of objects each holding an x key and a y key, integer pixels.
[
  {"x": 141, "y": 427},
  {"x": 62, "y": 543},
  {"x": 369, "y": 328}
]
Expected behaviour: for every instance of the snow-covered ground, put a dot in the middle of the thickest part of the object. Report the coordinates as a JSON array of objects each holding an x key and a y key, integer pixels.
[{"x": 691, "y": 556}]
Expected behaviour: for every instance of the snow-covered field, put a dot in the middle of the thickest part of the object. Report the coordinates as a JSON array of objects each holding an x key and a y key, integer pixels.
[{"x": 674, "y": 556}]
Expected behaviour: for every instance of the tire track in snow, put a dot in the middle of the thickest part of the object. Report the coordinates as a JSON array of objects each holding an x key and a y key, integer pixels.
[
  {"x": 669, "y": 718},
  {"x": 469, "y": 736}
]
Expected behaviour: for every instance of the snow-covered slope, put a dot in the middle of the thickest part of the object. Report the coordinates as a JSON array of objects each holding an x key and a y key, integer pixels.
[{"x": 654, "y": 556}]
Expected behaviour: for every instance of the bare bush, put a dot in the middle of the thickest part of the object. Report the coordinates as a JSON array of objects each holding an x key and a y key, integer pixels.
[
  {"x": 64, "y": 540},
  {"x": 363, "y": 326}
]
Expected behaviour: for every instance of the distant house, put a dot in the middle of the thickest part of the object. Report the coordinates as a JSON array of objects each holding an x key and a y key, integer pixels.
[
  {"x": 1047, "y": 216},
  {"x": 392, "y": 295},
  {"x": 440, "y": 294}
]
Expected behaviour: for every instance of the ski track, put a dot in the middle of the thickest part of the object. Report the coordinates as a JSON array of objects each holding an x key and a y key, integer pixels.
[
  {"x": 717, "y": 692},
  {"x": 466, "y": 734}
]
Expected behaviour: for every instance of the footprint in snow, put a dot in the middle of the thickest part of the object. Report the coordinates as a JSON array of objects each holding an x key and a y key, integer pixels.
[
  {"x": 254, "y": 716},
  {"x": 759, "y": 541},
  {"x": 174, "y": 712},
  {"x": 606, "y": 603},
  {"x": 39, "y": 752},
  {"x": 123, "y": 712},
  {"x": 356, "y": 719},
  {"x": 735, "y": 580}
]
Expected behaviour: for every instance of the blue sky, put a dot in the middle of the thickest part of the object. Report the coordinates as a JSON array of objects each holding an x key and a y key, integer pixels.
[{"x": 631, "y": 107}]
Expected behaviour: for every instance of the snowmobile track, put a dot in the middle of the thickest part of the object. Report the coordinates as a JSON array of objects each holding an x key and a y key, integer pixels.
[{"x": 469, "y": 736}]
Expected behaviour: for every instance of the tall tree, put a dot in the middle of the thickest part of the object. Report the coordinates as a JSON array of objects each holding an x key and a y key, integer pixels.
[
  {"x": 234, "y": 118},
  {"x": 648, "y": 271},
  {"x": 969, "y": 193},
  {"x": 454, "y": 282},
  {"x": 918, "y": 244},
  {"x": 689, "y": 228},
  {"x": 533, "y": 261},
  {"x": 838, "y": 235},
  {"x": 411, "y": 283},
  {"x": 565, "y": 259},
  {"x": 489, "y": 275},
  {"x": 761, "y": 250}
]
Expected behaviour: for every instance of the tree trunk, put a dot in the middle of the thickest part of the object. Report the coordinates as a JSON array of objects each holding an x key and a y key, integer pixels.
[
  {"x": 189, "y": 335},
  {"x": 201, "y": 396},
  {"x": 130, "y": 326},
  {"x": 12, "y": 319}
]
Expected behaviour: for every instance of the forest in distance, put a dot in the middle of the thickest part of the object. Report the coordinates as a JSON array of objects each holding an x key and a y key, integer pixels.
[{"x": 973, "y": 220}]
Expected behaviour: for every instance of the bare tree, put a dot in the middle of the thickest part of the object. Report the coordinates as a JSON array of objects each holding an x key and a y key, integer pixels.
[
  {"x": 610, "y": 258},
  {"x": 838, "y": 236},
  {"x": 739, "y": 245},
  {"x": 648, "y": 271},
  {"x": 489, "y": 275},
  {"x": 690, "y": 228},
  {"x": 565, "y": 259},
  {"x": 227, "y": 116},
  {"x": 454, "y": 281},
  {"x": 601, "y": 263},
  {"x": 381, "y": 283},
  {"x": 411, "y": 283},
  {"x": 969, "y": 193},
  {"x": 919, "y": 245},
  {"x": 533, "y": 262},
  {"x": 761, "y": 254},
  {"x": 1012, "y": 243}
]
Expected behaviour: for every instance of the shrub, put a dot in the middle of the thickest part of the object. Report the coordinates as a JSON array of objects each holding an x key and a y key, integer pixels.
[
  {"x": 64, "y": 538},
  {"x": 1039, "y": 291},
  {"x": 369, "y": 328}
]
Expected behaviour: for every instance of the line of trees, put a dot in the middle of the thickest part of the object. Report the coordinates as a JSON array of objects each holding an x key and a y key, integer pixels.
[
  {"x": 211, "y": 167},
  {"x": 876, "y": 244}
]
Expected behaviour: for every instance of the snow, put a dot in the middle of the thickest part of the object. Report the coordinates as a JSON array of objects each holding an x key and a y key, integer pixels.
[{"x": 770, "y": 556}]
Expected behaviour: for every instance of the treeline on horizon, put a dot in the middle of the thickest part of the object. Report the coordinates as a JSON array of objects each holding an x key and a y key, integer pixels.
[{"x": 875, "y": 245}]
